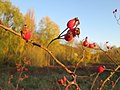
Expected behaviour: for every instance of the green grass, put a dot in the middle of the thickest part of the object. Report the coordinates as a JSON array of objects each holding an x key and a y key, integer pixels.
[{"x": 46, "y": 78}]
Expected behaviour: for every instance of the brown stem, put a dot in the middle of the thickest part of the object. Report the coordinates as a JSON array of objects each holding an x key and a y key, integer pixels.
[
  {"x": 72, "y": 83},
  {"x": 112, "y": 70},
  {"x": 94, "y": 81},
  {"x": 70, "y": 72},
  {"x": 87, "y": 76},
  {"x": 30, "y": 41},
  {"x": 112, "y": 73},
  {"x": 9, "y": 29},
  {"x": 59, "y": 37}
]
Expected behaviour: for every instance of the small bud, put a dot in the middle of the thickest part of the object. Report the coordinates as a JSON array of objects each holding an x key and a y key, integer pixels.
[
  {"x": 18, "y": 69},
  {"x": 64, "y": 79},
  {"x": 18, "y": 65},
  {"x": 60, "y": 81},
  {"x": 18, "y": 72},
  {"x": 26, "y": 76},
  {"x": 21, "y": 79},
  {"x": 29, "y": 62},
  {"x": 23, "y": 88},
  {"x": 86, "y": 38},
  {"x": 9, "y": 82},
  {"x": 115, "y": 10},
  {"x": 25, "y": 69}
]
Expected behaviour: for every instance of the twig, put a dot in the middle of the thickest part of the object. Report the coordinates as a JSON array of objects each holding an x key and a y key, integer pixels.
[
  {"x": 87, "y": 76},
  {"x": 117, "y": 19},
  {"x": 70, "y": 72},
  {"x": 112, "y": 70},
  {"x": 9, "y": 29},
  {"x": 57, "y": 37},
  {"x": 106, "y": 55},
  {"x": 94, "y": 81},
  {"x": 73, "y": 83}
]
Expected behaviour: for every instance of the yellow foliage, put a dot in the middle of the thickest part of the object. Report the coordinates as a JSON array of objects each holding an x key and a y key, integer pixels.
[{"x": 21, "y": 46}]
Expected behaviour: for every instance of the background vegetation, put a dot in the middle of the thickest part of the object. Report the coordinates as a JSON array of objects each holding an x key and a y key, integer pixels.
[{"x": 13, "y": 49}]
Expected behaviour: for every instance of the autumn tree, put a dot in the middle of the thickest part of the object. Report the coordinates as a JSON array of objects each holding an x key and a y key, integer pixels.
[
  {"x": 10, "y": 49},
  {"x": 48, "y": 30},
  {"x": 30, "y": 19}
]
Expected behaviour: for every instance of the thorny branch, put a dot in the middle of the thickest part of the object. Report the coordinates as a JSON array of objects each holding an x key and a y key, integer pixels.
[{"x": 38, "y": 45}]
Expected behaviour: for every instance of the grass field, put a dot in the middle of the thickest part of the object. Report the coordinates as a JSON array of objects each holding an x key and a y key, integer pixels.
[{"x": 46, "y": 78}]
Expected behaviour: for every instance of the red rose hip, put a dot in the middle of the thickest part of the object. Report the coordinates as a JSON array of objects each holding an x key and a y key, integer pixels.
[
  {"x": 100, "y": 69},
  {"x": 68, "y": 36},
  {"x": 71, "y": 23},
  {"x": 25, "y": 33}
]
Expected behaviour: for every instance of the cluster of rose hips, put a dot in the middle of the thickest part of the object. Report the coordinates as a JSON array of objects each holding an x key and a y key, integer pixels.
[
  {"x": 92, "y": 45},
  {"x": 20, "y": 68},
  {"x": 72, "y": 30},
  {"x": 62, "y": 81},
  {"x": 87, "y": 44}
]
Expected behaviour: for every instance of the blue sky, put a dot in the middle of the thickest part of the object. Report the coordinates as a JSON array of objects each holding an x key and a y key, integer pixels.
[{"x": 97, "y": 20}]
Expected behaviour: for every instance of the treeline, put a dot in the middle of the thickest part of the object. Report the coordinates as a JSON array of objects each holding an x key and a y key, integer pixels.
[{"x": 13, "y": 49}]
